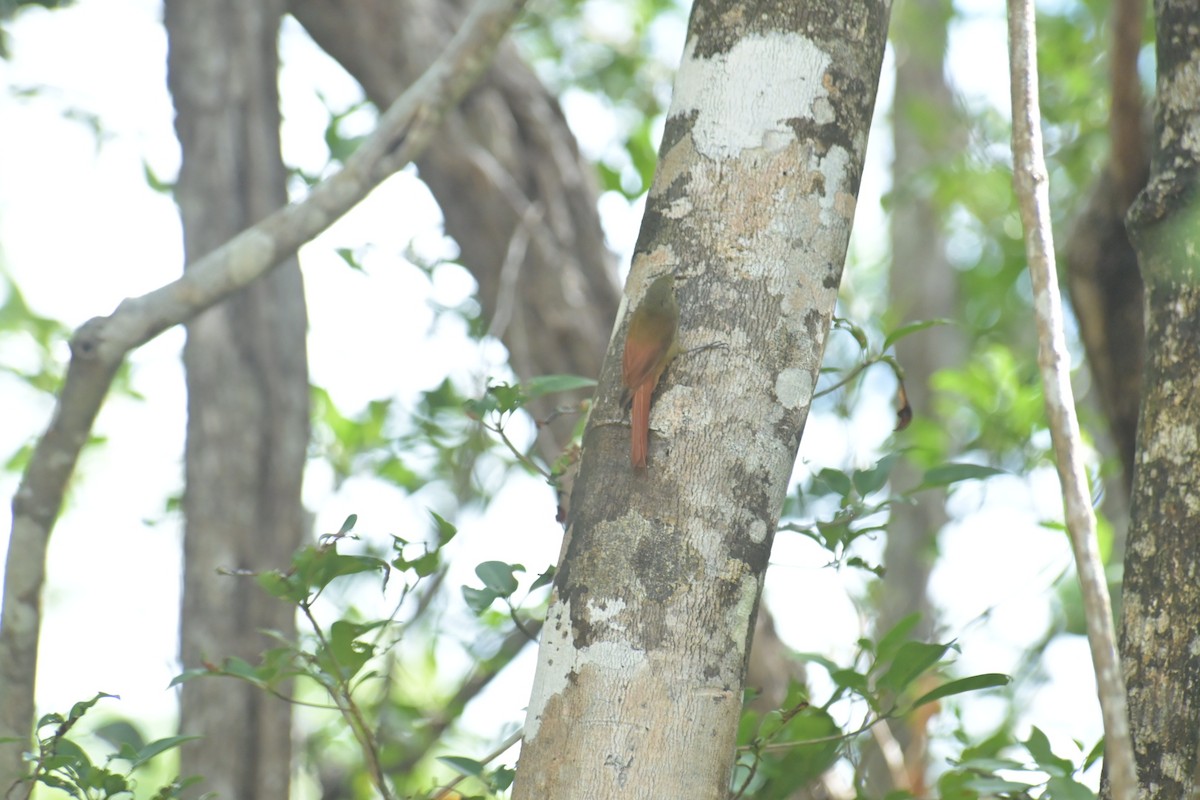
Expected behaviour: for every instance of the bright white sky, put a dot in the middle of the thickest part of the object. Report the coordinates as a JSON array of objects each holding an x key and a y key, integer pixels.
[{"x": 80, "y": 230}]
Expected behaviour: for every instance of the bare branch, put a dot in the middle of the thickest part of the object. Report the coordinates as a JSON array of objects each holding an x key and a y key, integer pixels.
[
  {"x": 1031, "y": 184},
  {"x": 101, "y": 344}
]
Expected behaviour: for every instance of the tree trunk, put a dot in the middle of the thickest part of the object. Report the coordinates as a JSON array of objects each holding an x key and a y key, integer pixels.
[
  {"x": 247, "y": 383},
  {"x": 640, "y": 673},
  {"x": 923, "y": 285},
  {"x": 1160, "y": 643}
]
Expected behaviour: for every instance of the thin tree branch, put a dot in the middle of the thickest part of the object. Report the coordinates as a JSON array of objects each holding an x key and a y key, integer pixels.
[
  {"x": 1031, "y": 183},
  {"x": 101, "y": 344}
]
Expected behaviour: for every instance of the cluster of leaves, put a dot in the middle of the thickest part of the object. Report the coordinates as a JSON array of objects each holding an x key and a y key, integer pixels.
[
  {"x": 788, "y": 748},
  {"x": 405, "y": 448},
  {"x": 343, "y": 657},
  {"x": 500, "y": 401},
  {"x": 837, "y": 507},
  {"x": 862, "y": 503},
  {"x": 995, "y": 768},
  {"x": 61, "y": 763}
]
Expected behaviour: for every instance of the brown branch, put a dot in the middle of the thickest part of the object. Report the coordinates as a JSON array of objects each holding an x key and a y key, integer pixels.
[
  {"x": 101, "y": 344},
  {"x": 1032, "y": 188},
  {"x": 1127, "y": 159}
]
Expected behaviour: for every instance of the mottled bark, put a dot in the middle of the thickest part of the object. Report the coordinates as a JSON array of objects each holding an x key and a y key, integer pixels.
[
  {"x": 506, "y": 171},
  {"x": 642, "y": 660},
  {"x": 1160, "y": 635},
  {"x": 247, "y": 382}
]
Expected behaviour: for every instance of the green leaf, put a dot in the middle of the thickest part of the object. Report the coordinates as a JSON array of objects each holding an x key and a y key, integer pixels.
[
  {"x": 545, "y": 579},
  {"x": 989, "y": 680},
  {"x": 552, "y": 384},
  {"x": 445, "y": 530},
  {"x": 189, "y": 674},
  {"x": 349, "y": 653},
  {"x": 872, "y": 480},
  {"x": 850, "y": 680},
  {"x": 240, "y": 668},
  {"x": 892, "y": 640},
  {"x": 478, "y": 600},
  {"x": 837, "y": 481},
  {"x": 427, "y": 564},
  {"x": 154, "y": 181},
  {"x": 498, "y": 576},
  {"x": 912, "y": 659},
  {"x": 501, "y": 778},
  {"x": 810, "y": 731},
  {"x": 991, "y": 785},
  {"x": 947, "y": 474},
  {"x": 1094, "y": 754},
  {"x": 68, "y": 752},
  {"x": 281, "y": 586},
  {"x": 350, "y": 258},
  {"x": 817, "y": 658},
  {"x": 463, "y": 766},
  {"x": 911, "y": 328},
  {"x": 508, "y": 398},
  {"x": 83, "y": 706},
  {"x": 158, "y": 747},
  {"x": 316, "y": 567},
  {"x": 1067, "y": 788},
  {"x": 1038, "y": 745}
]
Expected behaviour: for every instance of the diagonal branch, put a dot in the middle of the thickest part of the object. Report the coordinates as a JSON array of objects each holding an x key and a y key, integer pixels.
[
  {"x": 1031, "y": 183},
  {"x": 101, "y": 344}
]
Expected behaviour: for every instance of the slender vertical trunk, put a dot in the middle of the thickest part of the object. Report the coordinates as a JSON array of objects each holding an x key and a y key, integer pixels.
[
  {"x": 247, "y": 392},
  {"x": 922, "y": 286}
]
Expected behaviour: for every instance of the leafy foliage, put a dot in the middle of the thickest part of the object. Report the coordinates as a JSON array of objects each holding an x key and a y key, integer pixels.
[
  {"x": 59, "y": 762},
  {"x": 352, "y": 660}
]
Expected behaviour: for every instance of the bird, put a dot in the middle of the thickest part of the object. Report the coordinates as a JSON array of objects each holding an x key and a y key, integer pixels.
[{"x": 651, "y": 342}]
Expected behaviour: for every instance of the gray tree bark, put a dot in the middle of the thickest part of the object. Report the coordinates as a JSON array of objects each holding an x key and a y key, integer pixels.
[
  {"x": 1160, "y": 640},
  {"x": 642, "y": 660},
  {"x": 247, "y": 381}
]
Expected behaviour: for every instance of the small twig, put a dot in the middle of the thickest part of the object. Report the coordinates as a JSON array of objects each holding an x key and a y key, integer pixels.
[
  {"x": 512, "y": 613},
  {"x": 753, "y": 770},
  {"x": 525, "y": 460},
  {"x": 1033, "y": 196},
  {"x": 340, "y": 693},
  {"x": 834, "y": 737}
]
